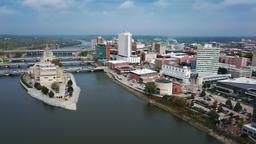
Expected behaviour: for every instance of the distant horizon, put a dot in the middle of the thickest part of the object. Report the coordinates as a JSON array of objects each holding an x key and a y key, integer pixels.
[
  {"x": 253, "y": 36},
  {"x": 141, "y": 17}
]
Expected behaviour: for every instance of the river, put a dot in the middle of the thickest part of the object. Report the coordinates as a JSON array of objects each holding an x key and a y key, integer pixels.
[{"x": 107, "y": 114}]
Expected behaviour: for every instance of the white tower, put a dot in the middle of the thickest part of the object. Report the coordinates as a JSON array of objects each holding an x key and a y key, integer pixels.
[{"x": 124, "y": 44}]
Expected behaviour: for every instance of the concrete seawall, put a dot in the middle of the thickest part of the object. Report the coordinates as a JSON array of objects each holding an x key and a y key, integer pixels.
[{"x": 185, "y": 118}]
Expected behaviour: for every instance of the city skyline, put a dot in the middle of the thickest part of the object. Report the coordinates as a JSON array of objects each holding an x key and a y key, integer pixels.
[{"x": 141, "y": 17}]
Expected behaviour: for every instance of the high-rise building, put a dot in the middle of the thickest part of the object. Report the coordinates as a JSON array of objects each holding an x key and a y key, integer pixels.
[
  {"x": 124, "y": 44},
  {"x": 102, "y": 51},
  {"x": 254, "y": 58},
  {"x": 207, "y": 60},
  {"x": 99, "y": 40}
]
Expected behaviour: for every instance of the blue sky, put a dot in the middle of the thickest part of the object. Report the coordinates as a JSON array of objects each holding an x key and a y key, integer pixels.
[{"x": 141, "y": 17}]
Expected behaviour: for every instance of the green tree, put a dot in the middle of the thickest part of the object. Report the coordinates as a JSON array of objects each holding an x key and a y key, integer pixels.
[
  {"x": 70, "y": 83},
  {"x": 150, "y": 88},
  {"x": 202, "y": 94},
  {"x": 45, "y": 90},
  {"x": 37, "y": 86},
  {"x": 83, "y": 53},
  {"x": 213, "y": 116},
  {"x": 238, "y": 107},
  {"x": 57, "y": 62},
  {"x": 229, "y": 104},
  {"x": 181, "y": 101},
  {"x": 222, "y": 71},
  {"x": 51, "y": 94}
]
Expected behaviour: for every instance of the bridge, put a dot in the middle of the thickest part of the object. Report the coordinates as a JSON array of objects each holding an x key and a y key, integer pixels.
[
  {"x": 77, "y": 69},
  {"x": 39, "y": 52}
]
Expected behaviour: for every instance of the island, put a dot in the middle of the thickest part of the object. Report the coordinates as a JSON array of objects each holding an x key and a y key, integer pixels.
[{"x": 47, "y": 81}]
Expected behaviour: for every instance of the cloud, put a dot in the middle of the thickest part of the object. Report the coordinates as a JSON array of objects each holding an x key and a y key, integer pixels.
[
  {"x": 4, "y": 10},
  {"x": 48, "y": 5},
  {"x": 127, "y": 4},
  {"x": 161, "y": 3},
  {"x": 204, "y": 5}
]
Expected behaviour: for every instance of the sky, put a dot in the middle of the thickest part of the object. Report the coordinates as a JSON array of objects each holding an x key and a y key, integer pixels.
[{"x": 141, "y": 17}]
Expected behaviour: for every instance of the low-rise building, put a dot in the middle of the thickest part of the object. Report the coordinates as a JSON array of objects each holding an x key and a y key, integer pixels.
[
  {"x": 181, "y": 73},
  {"x": 149, "y": 57},
  {"x": 131, "y": 59},
  {"x": 46, "y": 73},
  {"x": 234, "y": 60},
  {"x": 163, "y": 87},
  {"x": 143, "y": 75},
  {"x": 117, "y": 63},
  {"x": 242, "y": 88}
]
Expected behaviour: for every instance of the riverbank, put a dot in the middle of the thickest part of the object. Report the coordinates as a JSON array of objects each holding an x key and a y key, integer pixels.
[
  {"x": 66, "y": 104},
  {"x": 174, "y": 112}
]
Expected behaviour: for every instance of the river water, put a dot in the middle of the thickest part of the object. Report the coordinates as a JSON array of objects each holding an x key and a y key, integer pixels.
[{"x": 107, "y": 114}]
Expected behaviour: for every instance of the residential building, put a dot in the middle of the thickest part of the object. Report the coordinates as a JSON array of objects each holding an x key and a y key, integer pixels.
[{"x": 234, "y": 60}]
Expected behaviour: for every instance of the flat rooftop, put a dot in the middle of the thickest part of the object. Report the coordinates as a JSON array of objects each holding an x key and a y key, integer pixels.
[
  {"x": 143, "y": 71},
  {"x": 242, "y": 82},
  {"x": 117, "y": 61}
]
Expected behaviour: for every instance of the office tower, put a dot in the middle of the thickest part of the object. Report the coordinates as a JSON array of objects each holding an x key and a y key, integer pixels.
[
  {"x": 207, "y": 60},
  {"x": 124, "y": 44}
]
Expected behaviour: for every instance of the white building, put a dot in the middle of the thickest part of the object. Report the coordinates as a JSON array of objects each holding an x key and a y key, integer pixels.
[
  {"x": 182, "y": 73},
  {"x": 207, "y": 60},
  {"x": 163, "y": 87},
  {"x": 124, "y": 44},
  {"x": 131, "y": 59},
  {"x": 44, "y": 72},
  {"x": 150, "y": 57}
]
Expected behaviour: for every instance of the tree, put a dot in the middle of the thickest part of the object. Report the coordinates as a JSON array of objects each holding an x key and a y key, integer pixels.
[
  {"x": 181, "y": 101},
  {"x": 202, "y": 94},
  {"x": 55, "y": 86},
  {"x": 70, "y": 90},
  {"x": 57, "y": 62},
  {"x": 229, "y": 104},
  {"x": 238, "y": 107},
  {"x": 222, "y": 71},
  {"x": 206, "y": 85},
  {"x": 213, "y": 116},
  {"x": 83, "y": 53},
  {"x": 45, "y": 90},
  {"x": 51, "y": 94},
  {"x": 70, "y": 83},
  {"x": 220, "y": 109},
  {"x": 150, "y": 88},
  {"x": 37, "y": 86}
]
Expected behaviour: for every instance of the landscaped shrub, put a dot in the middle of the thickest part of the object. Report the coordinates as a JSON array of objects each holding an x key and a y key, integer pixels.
[
  {"x": 51, "y": 94},
  {"x": 44, "y": 90}
]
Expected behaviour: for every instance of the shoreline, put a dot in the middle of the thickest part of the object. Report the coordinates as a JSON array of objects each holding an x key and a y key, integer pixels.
[
  {"x": 185, "y": 118},
  {"x": 69, "y": 105}
]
